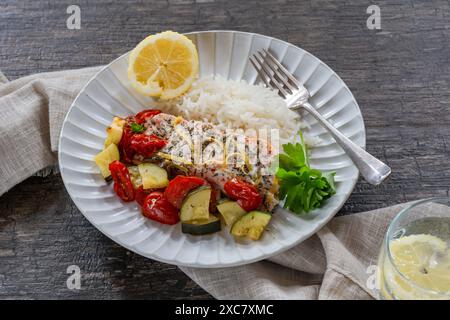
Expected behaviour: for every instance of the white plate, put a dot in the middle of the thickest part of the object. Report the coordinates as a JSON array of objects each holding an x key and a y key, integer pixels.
[{"x": 225, "y": 53}]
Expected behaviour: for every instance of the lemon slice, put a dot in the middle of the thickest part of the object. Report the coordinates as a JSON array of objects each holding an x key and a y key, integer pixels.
[
  {"x": 163, "y": 65},
  {"x": 424, "y": 259}
]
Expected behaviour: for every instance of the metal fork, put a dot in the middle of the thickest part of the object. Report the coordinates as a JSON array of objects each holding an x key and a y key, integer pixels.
[{"x": 296, "y": 95}]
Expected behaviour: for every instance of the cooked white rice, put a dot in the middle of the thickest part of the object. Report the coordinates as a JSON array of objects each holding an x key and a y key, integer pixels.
[{"x": 236, "y": 104}]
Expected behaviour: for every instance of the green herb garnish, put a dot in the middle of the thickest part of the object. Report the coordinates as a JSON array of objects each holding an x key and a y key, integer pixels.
[
  {"x": 137, "y": 128},
  {"x": 302, "y": 187}
]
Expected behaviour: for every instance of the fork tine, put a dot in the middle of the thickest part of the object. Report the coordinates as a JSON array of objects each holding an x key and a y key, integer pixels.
[
  {"x": 283, "y": 69},
  {"x": 266, "y": 76},
  {"x": 281, "y": 91},
  {"x": 278, "y": 73},
  {"x": 261, "y": 73}
]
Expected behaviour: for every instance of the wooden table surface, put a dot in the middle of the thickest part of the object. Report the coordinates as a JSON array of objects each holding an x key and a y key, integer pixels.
[{"x": 400, "y": 76}]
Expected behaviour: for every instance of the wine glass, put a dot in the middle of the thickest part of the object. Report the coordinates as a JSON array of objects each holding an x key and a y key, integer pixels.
[{"x": 414, "y": 260}]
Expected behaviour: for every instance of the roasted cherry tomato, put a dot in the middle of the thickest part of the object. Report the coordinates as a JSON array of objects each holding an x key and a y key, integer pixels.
[
  {"x": 146, "y": 145},
  {"x": 138, "y": 143},
  {"x": 156, "y": 207},
  {"x": 126, "y": 153},
  {"x": 122, "y": 182},
  {"x": 213, "y": 201},
  {"x": 142, "y": 116},
  {"x": 244, "y": 193},
  {"x": 180, "y": 186},
  {"x": 140, "y": 195}
]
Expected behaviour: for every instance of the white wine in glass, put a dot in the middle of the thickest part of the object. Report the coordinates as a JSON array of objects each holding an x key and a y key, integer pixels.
[{"x": 414, "y": 261}]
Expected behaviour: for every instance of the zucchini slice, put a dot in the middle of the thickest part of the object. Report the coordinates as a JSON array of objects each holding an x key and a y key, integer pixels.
[
  {"x": 196, "y": 205},
  {"x": 231, "y": 211},
  {"x": 105, "y": 157},
  {"x": 153, "y": 177},
  {"x": 251, "y": 224},
  {"x": 135, "y": 177},
  {"x": 200, "y": 227},
  {"x": 114, "y": 131}
]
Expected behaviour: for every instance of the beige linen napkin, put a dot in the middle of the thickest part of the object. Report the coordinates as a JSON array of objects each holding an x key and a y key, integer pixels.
[
  {"x": 339, "y": 262},
  {"x": 32, "y": 110},
  {"x": 333, "y": 264}
]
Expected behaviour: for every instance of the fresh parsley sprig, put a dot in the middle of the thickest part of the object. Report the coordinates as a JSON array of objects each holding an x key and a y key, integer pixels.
[
  {"x": 137, "y": 128},
  {"x": 302, "y": 187}
]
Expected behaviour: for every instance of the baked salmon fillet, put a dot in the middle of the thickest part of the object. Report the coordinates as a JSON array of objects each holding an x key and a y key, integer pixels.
[{"x": 202, "y": 149}]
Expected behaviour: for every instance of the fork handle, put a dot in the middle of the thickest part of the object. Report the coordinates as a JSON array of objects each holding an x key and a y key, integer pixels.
[{"x": 373, "y": 170}]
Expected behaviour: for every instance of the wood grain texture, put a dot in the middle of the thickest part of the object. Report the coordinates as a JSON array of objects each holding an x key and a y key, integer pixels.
[{"x": 400, "y": 76}]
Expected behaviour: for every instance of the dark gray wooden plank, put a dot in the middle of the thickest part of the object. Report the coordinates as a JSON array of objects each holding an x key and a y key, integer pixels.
[
  {"x": 400, "y": 76},
  {"x": 42, "y": 233}
]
